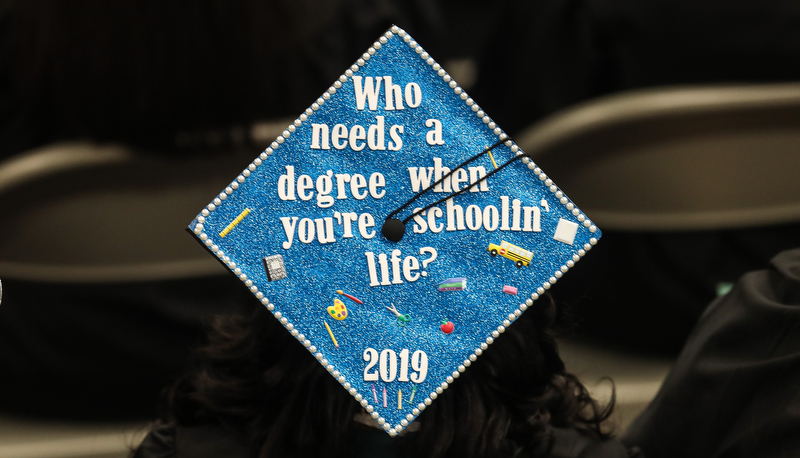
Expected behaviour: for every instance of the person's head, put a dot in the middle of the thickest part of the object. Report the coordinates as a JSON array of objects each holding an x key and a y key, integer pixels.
[{"x": 254, "y": 376}]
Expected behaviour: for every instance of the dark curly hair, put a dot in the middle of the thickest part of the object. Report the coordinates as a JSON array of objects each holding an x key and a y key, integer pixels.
[{"x": 251, "y": 376}]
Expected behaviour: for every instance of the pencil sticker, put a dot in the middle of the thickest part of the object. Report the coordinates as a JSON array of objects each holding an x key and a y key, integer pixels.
[
  {"x": 330, "y": 333},
  {"x": 233, "y": 223}
]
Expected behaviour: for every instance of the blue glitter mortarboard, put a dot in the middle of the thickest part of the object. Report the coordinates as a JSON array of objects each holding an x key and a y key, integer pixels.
[{"x": 395, "y": 322}]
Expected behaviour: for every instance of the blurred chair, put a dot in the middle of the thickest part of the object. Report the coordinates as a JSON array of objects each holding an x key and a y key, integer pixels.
[
  {"x": 667, "y": 160},
  {"x": 80, "y": 216},
  {"x": 677, "y": 158},
  {"x": 88, "y": 213}
]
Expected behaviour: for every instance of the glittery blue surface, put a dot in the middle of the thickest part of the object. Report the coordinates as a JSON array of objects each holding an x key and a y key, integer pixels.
[{"x": 314, "y": 271}]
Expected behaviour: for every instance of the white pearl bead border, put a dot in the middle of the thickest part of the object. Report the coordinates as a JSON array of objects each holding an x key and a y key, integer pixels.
[{"x": 562, "y": 198}]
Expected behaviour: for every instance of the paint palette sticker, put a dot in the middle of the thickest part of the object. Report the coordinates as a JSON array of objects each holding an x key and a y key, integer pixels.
[
  {"x": 395, "y": 230},
  {"x": 337, "y": 311}
]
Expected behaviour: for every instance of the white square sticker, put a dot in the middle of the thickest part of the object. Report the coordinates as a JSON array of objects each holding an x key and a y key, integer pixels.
[{"x": 566, "y": 231}]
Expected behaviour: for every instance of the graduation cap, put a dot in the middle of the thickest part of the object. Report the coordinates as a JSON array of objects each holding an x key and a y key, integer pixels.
[{"x": 395, "y": 230}]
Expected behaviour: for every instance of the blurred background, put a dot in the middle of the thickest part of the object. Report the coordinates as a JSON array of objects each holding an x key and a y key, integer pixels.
[{"x": 672, "y": 124}]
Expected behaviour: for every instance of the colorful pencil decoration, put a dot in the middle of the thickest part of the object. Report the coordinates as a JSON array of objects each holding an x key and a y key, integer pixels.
[
  {"x": 374, "y": 394},
  {"x": 385, "y": 398},
  {"x": 399, "y": 399},
  {"x": 233, "y": 223},
  {"x": 491, "y": 156},
  {"x": 330, "y": 333}
]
